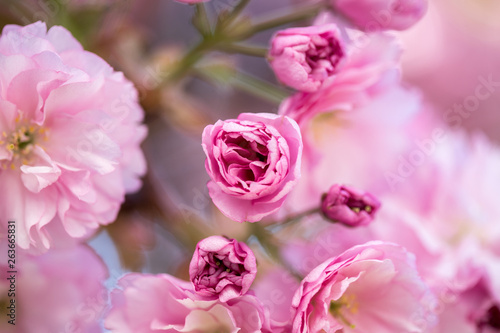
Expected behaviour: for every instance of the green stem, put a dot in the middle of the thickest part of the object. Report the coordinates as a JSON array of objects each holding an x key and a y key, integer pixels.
[
  {"x": 222, "y": 35},
  {"x": 271, "y": 245},
  {"x": 250, "y": 84},
  {"x": 234, "y": 13},
  {"x": 201, "y": 21},
  {"x": 277, "y": 21},
  {"x": 191, "y": 58},
  {"x": 254, "y": 51},
  {"x": 258, "y": 87},
  {"x": 293, "y": 218}
]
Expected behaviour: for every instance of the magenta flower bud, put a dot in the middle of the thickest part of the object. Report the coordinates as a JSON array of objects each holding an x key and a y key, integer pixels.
[
  {"x": 373, "y": 15},
  {"x": 349, "y": 206},
  {"x": 222, "y": 268},
  {"x": 303, "y": 58}
]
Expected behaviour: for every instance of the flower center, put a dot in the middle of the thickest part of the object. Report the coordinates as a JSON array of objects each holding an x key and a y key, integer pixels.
[
  {"x": 346, "y": 302},
  {"x": 225, "y": 269},
  {"x": 491, "y": 318},
  {"x": 246, "y": 161},
  {"x": 222, "y": 267},
  {"x": 359, "y": 208},
  {"x": 20, "y": 143},
  {"x": 325, "y": 53}
]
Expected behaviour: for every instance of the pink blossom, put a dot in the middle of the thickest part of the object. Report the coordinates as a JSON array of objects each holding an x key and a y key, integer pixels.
[
  {"x": 253, "y": 163},
  {"x": 162, "y": 303},
  {"x": 221, "y": 267},
  {"x": 386, "y": 120},
  {"x": 303, "y": 58},
  {"x": 370, "y": 67},
  {"x": 469, "y": 310},
  {"x": 275, "y": 289},
  {"x": 448, "y": 204},
  {"x": 59, "y": 291},
  {"x": 71, "y": 132},
  {"x": 370, "y": 288},
  {"x": 446, "y": 212},
  {"x": 372, "y": 15},
  {"x": 349, "y": 206}
]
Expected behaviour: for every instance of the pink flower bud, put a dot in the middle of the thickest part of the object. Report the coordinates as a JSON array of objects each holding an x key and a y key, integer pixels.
[
  {"x": 349, "y": 206},
  {"x": 373, "y": 15},
  {"x": 222, "y": 267},
  {"x": 303, "y": 58}
]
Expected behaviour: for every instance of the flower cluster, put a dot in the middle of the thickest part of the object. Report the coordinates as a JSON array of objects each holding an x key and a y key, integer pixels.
[{"x": 349, "y": 207}]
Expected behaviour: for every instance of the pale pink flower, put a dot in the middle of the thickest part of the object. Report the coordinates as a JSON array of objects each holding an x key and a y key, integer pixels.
[
  {"x": 222, "y": 268},
  {"x": 373, "y": 287},
  {"x": 59, "y": 291},
  {"x": 162, "y": 303},
  {"x": 304, "y": 57},
  {"x": 449, "y": 203},
  {"x": 386, "y": 120},
  {"x": 469, "y": 310},
  {"x": 71, "y": 132},
  {"x": 275, "y": 289},
  {"x": 349, "y": 206},
  {"x": 443, "y": 208},
  {"x": 373, "y": 15},
  {"x": 253, "y": 163}
]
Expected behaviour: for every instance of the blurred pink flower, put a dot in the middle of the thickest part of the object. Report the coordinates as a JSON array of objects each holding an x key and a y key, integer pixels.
[
  {"x": 162, "y": 303},
  {"x": 349, "y": 206},
  {"x": 370, "y": 67},
  {"x": 387, "y": 120},
  {"x": 275, "y": 289},
  {"x": 221, "y": 267},
  {"x": 470, "y": 310},
  {"x": 444, "y": 209},
  {"x": 71, "y": 132},
  {"x": 464, "y": 86},
  {"x": 369, "y": 288},
  {"x": 449, "y": 202},
  {"x": 59, "y": 291},
  {"x": 303, "y": 58},
  {"x": 373, "y": 15},
  {"x": 253, "y": 163}
]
